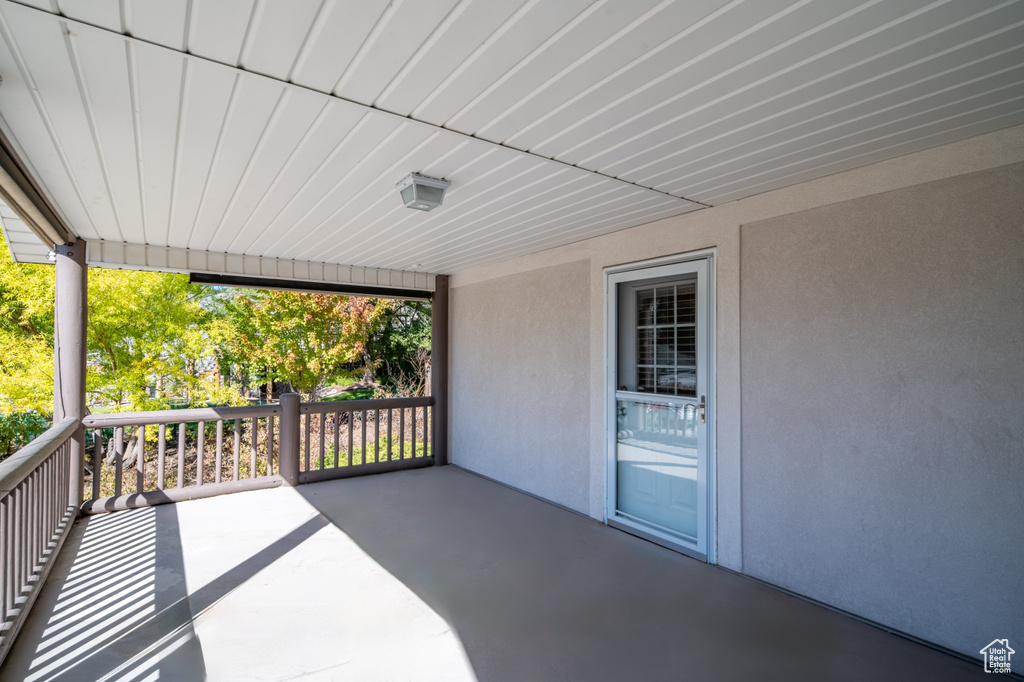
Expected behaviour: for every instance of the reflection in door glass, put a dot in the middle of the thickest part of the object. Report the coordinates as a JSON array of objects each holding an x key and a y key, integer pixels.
[{"x": 656, "y": 453}]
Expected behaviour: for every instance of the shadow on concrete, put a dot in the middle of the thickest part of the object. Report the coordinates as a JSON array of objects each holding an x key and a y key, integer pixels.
[
  {"x": 116, "y": 606},
  {"x": 538, "y": 593}
]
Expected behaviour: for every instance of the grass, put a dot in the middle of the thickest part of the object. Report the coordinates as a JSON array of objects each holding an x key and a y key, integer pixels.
[
  {"x": 354, "y": 394},
  {"x": 378, "y": 454}
]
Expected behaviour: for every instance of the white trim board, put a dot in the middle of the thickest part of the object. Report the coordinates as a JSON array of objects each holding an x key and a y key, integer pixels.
[{"x": 106, "y": 254}]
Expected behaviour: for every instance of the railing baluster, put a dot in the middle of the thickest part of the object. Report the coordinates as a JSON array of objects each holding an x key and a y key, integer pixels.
[
  {"x": 427, "y": 443},
  {"x": 362, "y": 422},
  {"x": 11, "y": 581},
  {"x": 140, "y": 459},
  {"x": 200, "y": 453},
  {"x": 97, "y": 462},
  {"x": 237, "y": 449},
  {"x": 376, "y": 435},
  {"x": 181, "y": 455},
  {"x": 390, "y": 412},
  {"x": 415, "y": 411},
  {"x": 270, "y": 445},
  {"x": 118, "y": 456},
  {"x": 253, "y": 437},
  {"x": 19, "y": 541},
  {"x": 44, "y": 505},
  {"x": 31, "y": 499},
  {"x": 337, "y": 434},
  {"x": 306, "y": 423},
  {"x": 351, "y": 418},
  {"x": 8, "y": 552},
  {"x": 4, "y": 540},
  {"x": 8, "y": 555},
  {"x": 47, "y": 493},
  {"x": 323, "y": 429},
  {"x": 401, "y": 433},
  {"x": 220, "y": 449},
  {"x": 41, "y": 542},
  {"x": 161, "y": 453}
]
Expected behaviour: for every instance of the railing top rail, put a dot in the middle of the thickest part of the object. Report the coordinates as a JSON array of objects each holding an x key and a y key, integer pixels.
[
  {"x": 100, "y": 421},
  {"x": 359, "y": 405},
  {"x": 18, "y": 466}
]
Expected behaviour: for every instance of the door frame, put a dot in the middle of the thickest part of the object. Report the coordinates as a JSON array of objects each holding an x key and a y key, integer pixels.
[{"x": 613, "y": 275}]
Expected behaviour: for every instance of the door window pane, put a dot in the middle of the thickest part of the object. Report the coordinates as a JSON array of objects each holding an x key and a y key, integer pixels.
[
  {"x": 645, "y": 379},
  {"x": 686, "y": 303},
  {"x": 666, "y": 345},
  {"x": 645, "y": 346},
  {"x": 666, "y": 336},
  {"x": 665, "y": 307},
  {"x": 645, "y": 307},
  {"x": 656, "y": 453}
]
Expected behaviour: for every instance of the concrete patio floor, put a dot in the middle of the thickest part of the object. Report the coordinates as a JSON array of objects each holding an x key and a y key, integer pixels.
[{"x": 431, "y": 574}]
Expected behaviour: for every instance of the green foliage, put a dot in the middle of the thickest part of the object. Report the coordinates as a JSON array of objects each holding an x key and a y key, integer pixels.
[
  {"x": 152, "y": 338},
  {"x": 303, "y": 339},
  {"x": 155, "y": 341},
  {"x": 399, "y": 336},
  {"x": 354, "y": 394},
  {"x": 19, "y": 429},
  {"x": 374, "y": 454},
  {"x": 26, "y": 337}
]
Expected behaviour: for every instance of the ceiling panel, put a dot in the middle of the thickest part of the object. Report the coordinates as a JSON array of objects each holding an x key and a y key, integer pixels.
[
  {"x": 525, "y": 34},
  {"x": 164, "y": 22},
  {"x": 22, "y": 242},
  {"x": 334, "y": 39},
  {"x": 450, "y": 46},
  {"x": 218, "y": 28},
  {"x": 821, "y": 107},
  {"x": 397, "y": 38},
  {"x": 823, "y": 84},
  {"x": 500, "y": 114},
  {"x": 252, "y": 128},
  {"x": 276, "y": 35}
]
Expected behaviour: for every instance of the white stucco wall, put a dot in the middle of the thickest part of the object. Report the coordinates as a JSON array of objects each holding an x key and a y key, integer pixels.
[
  {"x": 479, "y": 295},
  {"x": 883, "y": 406}
]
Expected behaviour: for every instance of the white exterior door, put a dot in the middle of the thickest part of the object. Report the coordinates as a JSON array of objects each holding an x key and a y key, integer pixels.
[{"x": 660, "y": 393}]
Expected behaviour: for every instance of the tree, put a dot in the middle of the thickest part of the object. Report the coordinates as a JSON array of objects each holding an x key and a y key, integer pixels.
[
  {"x": 302, "y": 338},
  {"x": 26, "y": 337},
  {"x": 26, "y": 352},
  {"x": 153, "y": 341},
  {"x": 400, "y": 343}
]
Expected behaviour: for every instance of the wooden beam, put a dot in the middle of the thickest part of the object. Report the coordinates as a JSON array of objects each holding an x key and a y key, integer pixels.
[{"x": 439, "y": 368}]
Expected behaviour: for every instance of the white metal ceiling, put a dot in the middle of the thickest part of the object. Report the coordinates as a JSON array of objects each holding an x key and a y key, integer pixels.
[{"x": 278, "y": 128}]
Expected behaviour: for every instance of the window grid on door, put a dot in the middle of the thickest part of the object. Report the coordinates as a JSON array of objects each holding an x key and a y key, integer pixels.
[{"x": 666, "y": 339}]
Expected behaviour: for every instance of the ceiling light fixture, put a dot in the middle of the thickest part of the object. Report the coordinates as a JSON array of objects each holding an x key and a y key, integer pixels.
[{"x": 422, "y": 192}]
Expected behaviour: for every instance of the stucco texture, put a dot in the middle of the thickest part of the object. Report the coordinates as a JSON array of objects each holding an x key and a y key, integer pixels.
[
  {"x": 520, "y": 388},
  {"x": 882, "y": 370}
]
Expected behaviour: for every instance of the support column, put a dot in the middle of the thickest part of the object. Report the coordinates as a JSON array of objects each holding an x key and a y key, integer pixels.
[
  {"x": 439, "y": 368},
  {"x": 71, "y": 310},
  {"x": 288, "y": 454}
]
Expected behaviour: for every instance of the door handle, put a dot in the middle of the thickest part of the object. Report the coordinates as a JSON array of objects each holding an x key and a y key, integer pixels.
[{"x": 702, "y": 407}]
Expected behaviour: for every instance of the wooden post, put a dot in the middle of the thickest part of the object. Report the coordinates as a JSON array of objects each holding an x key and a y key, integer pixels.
[
  {"x": 71, "y": 310},
  {"x": 439, "y": 368},
  {"x": 288, "y": 452}
]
